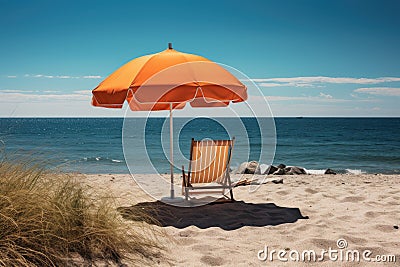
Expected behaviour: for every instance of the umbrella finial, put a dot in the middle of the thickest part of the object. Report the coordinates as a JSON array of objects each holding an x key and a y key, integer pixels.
[{"x": 169, "y": 45}]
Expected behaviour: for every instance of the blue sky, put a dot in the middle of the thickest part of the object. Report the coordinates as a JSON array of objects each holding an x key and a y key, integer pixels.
[{"x": 309, "y": 58}]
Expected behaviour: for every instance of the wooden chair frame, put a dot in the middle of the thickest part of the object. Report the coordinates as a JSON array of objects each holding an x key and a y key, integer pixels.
[{"x": 225, "y": 180}]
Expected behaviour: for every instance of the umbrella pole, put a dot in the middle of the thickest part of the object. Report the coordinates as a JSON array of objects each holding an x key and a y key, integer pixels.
[
  {"x": 172, "y": 198},
  {"x": 171, "y": 150}
]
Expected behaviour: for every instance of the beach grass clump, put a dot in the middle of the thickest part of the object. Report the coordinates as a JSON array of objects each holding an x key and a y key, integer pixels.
[{"x": 51, "y": 219}]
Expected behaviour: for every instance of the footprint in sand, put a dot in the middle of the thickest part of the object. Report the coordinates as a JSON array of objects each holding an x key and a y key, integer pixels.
[
  {"x": 345, "y": 218},
  {"x": 303, "y": 228},
  {"x": 373, "y": 214},
  {"x": 202, "y": 248},
  {"x": 385, "y": 228},
  {"x": 355, "y": 240},
  {"x": 283, "y": 192},
  {"x": 311, "y": 191},
  {"x": 212, "y": 261},
  {"x": 321, "y": 243},
  {"x": 187, "y": 241},
  {"x": 352, "y": 199},
  {"x": 187, "y": 233}
]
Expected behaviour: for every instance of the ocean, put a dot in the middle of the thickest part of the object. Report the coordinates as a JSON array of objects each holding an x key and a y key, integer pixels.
[{"x": 94, "y": 145}]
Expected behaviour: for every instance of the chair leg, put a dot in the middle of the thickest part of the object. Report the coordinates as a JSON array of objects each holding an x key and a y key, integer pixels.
[
  {"x": 230, "y": 187},
  {"x": 232, "y": 199},
  {"x": 186, "y": 193},
  {"x": 183, "y": 180}
]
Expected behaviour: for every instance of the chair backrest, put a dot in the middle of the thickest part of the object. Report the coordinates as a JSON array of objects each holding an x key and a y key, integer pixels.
[{"x": 209, "y": 160}]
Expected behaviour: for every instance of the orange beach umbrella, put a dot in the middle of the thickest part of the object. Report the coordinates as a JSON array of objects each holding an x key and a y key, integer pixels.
[{"x": 168, "y": 80}]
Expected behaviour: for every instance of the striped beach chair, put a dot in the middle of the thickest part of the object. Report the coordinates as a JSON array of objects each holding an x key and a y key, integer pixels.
[{"x": 208, "y": 167}]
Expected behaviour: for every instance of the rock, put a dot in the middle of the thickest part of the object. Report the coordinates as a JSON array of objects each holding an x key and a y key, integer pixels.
[
  {"x": 295, "y": 170},
  {"x": 279, "y": 181},
  {"x": 251, "y": 167},
  {"x": 242, "y": 168},
  {"x": 272, "y": 169},
  {"x": 263, "y": 168},
  {"x": 329, "y": 171},
  {"x": 288, "y": 171},
  {"x": 301, "y": 170},
  {"x": 281, "y": 166},
  {"x": 279, "y": 172}
]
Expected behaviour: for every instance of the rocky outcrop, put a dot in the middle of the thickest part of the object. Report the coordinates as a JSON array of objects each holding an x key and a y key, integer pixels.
[
  {"x": 242, "y": 168},
  {"x": 281, "y": 166},
  {"x": 272, "y": 169},
  {"x": 295, "y": 170},
  {"x": 253, "y": 167},
  {"x": 279, "y": 172},
  {"x": 329, "y": 171}
]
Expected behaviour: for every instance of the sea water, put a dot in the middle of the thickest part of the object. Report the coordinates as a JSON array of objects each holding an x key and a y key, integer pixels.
[{"x": 94, "y": 145}]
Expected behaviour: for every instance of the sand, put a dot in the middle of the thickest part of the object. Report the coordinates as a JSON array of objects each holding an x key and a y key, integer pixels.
[{"x": 306, "y": 212}]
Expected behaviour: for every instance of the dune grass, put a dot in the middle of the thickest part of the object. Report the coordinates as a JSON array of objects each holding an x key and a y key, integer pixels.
[{"x": 50, "y": 219}]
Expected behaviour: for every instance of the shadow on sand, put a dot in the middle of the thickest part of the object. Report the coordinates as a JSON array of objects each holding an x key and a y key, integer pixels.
[{"x": 228, "y": 216}]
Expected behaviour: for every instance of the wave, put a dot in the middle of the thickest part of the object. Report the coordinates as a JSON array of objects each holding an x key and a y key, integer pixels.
[
  {"x": 345, "y": 171},
  {"x": 315, "y": 171},
  {"x": 102, "y": 159},
  {"x": 356, "y": 172}
]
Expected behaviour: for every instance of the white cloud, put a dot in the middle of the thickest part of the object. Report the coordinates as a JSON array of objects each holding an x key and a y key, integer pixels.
[
  {"x": 387, "y": 91},
  {"x": 319, "y": 81},
  {"x": 291, "y": 84},
  {"x": 271, "y": 84},
  {"x": 92, "y": 77},
  {"x": 321, "y": 98},
  {"x": 7, "y": 97},
  {"x": 326, "y": 96},
  {"x": 11, "y": 76},
  {"x": 49, "y": 91},
  {"x": 286, "y": 98},
  {"x": 83, "y": 92},
  {"x": 60, "y": 76},
  {"x": 323, "y": 79},
  {"x": 39, "y": 76},
  {"x": 14, "y": 91}
]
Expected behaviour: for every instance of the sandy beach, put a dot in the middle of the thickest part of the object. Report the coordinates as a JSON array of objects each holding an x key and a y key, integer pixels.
[{"x": 306, "y": 212}]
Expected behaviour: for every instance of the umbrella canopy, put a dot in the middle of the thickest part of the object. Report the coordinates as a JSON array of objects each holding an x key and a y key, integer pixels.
[
  {"x": 167, "y": 81},
  {"x": 154, "y": 81}
]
